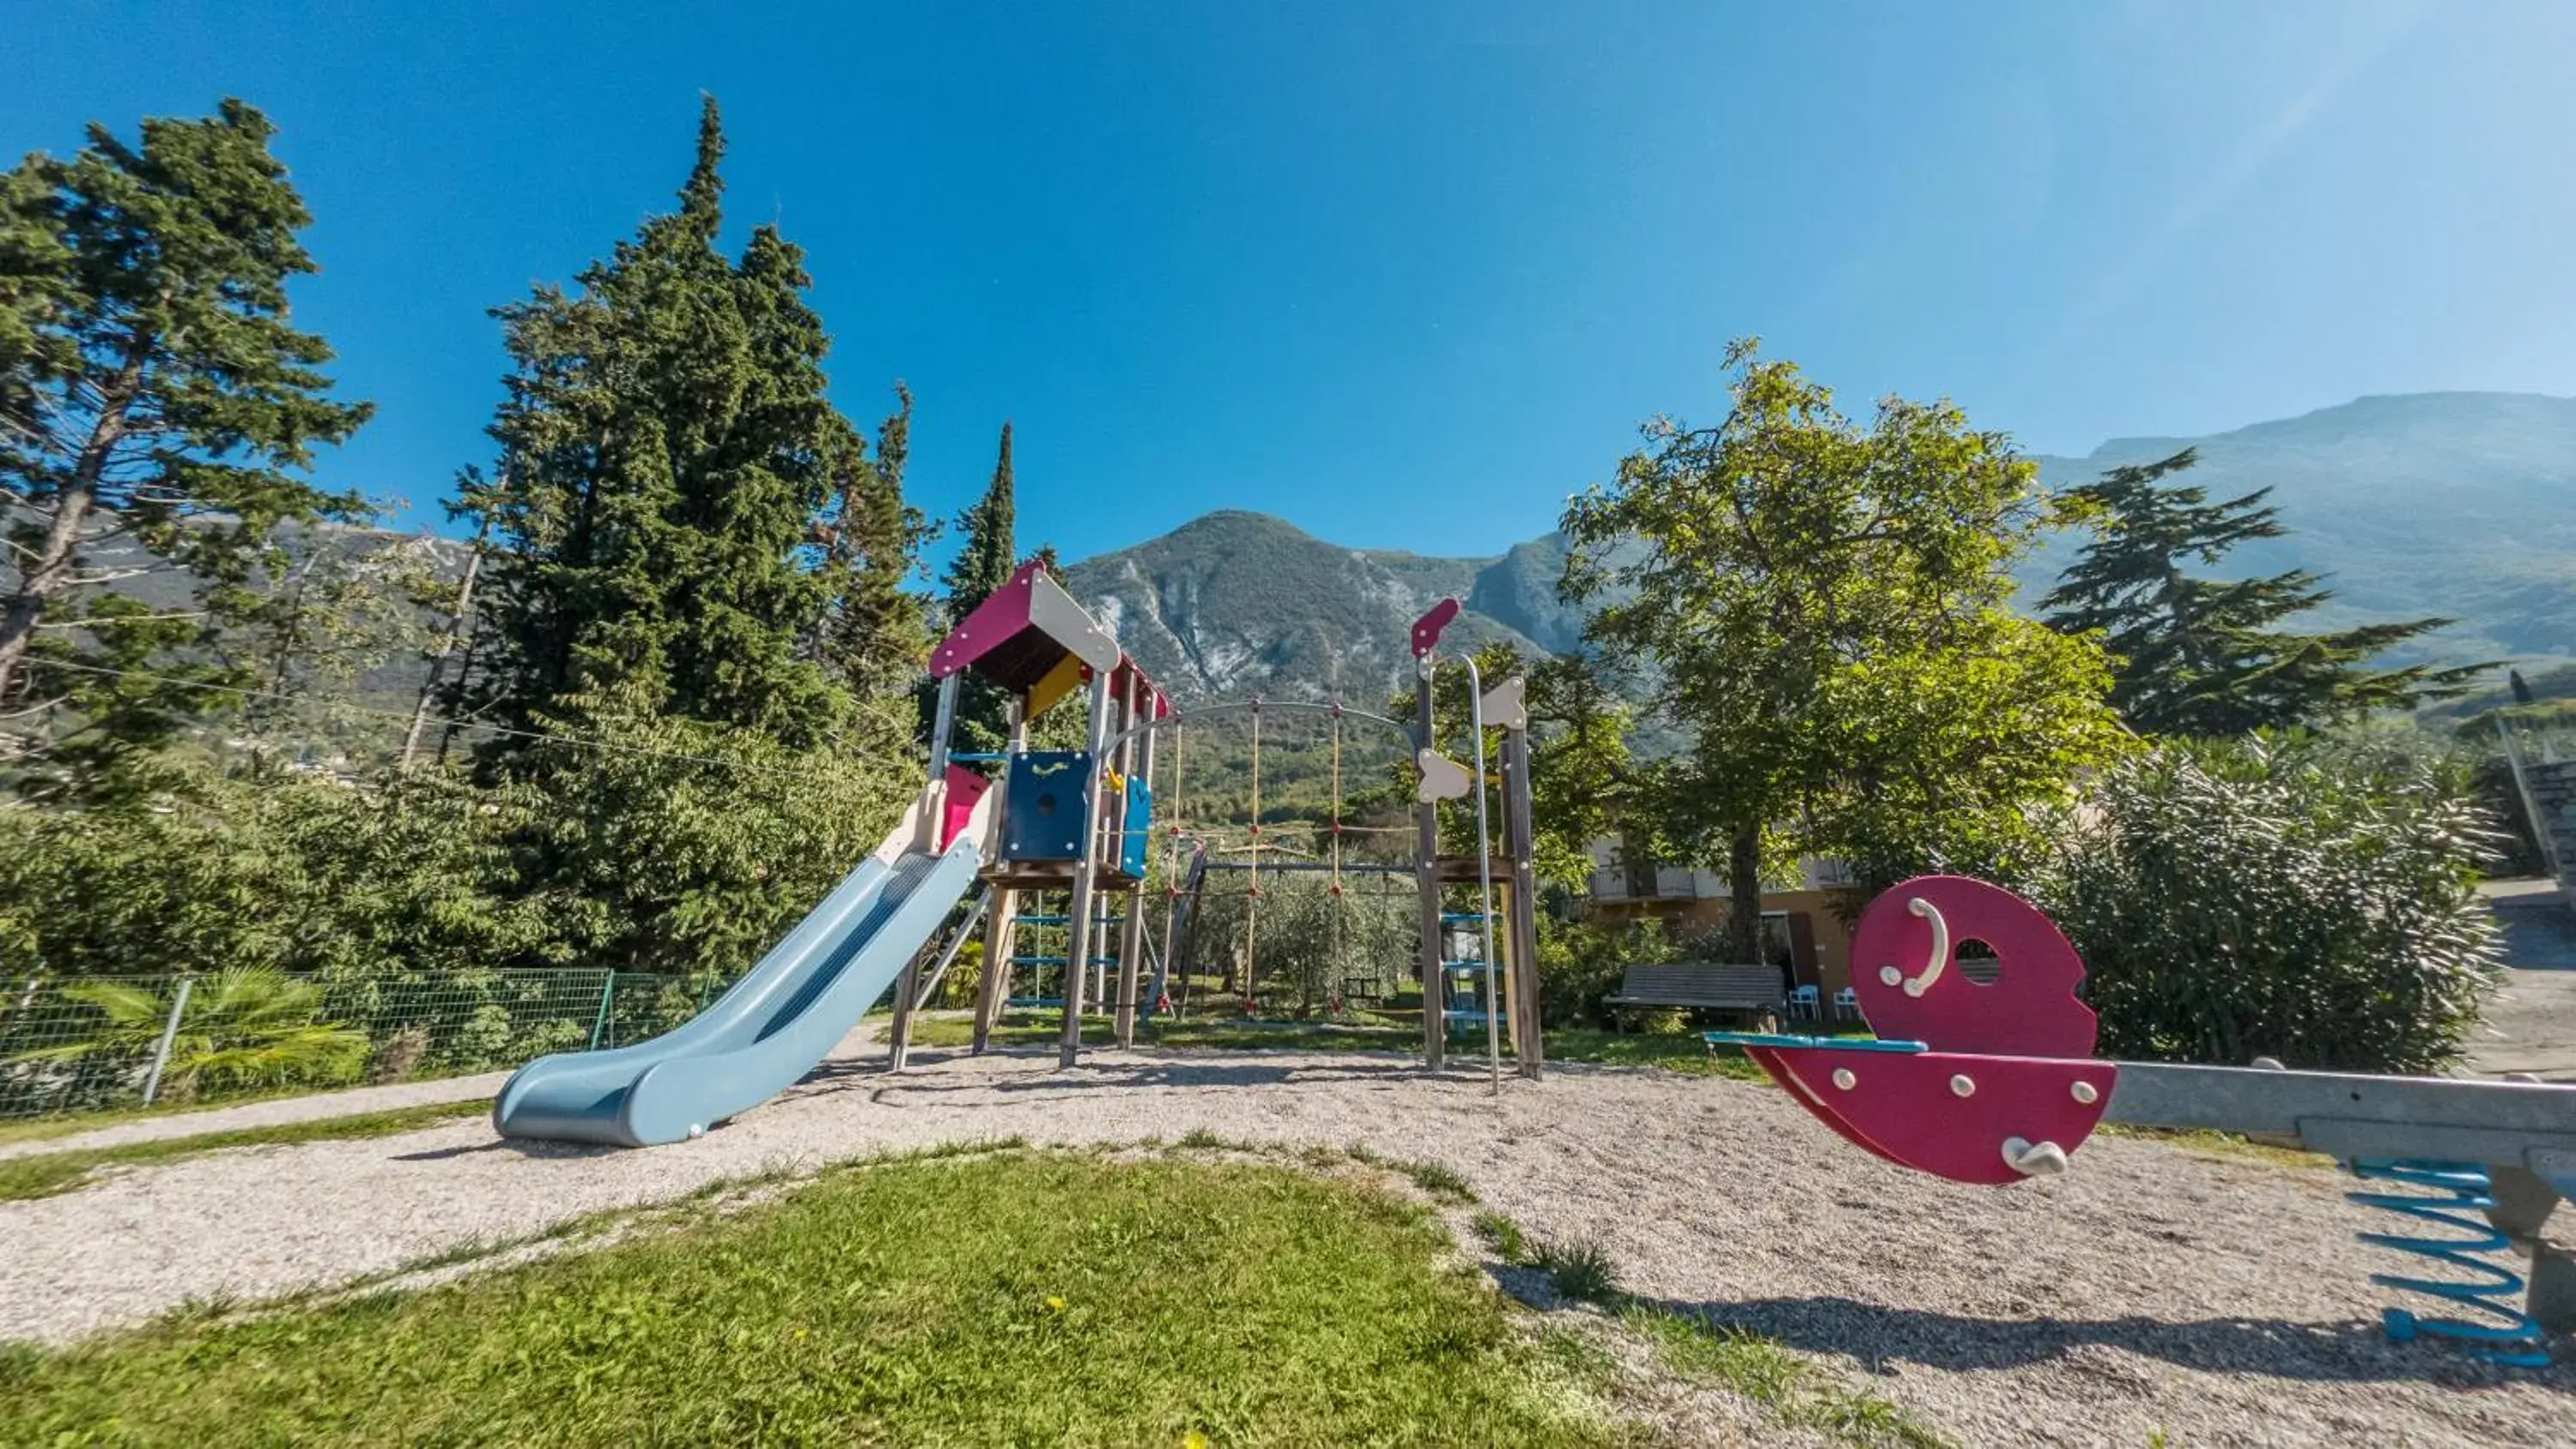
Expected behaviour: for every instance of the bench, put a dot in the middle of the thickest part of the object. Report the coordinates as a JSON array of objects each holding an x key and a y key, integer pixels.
[{"x": 1751, "y": 990}]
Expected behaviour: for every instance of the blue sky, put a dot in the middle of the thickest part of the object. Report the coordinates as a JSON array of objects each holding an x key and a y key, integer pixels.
[{"x": 1409, "y": 279}]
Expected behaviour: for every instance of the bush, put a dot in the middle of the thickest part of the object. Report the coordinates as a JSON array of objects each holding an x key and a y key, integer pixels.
[
  {"x": 2311, "y": 899},
  {"x": 1580, "y": 964}
]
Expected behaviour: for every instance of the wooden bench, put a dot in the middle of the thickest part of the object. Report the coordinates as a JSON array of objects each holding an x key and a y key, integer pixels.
[{"x": 1750, "y": 990}]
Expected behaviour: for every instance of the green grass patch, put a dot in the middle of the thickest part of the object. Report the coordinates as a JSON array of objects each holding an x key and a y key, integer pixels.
[
  {"x": 44, "y": 1174},
  {"x": 2223, "y": 1144},
  {"x": 1016, "y": 1297},
  {"x": 1502, "y": 1237},
  {"x": 1795, "y": 1393},
  {"x": 1673, "y": 1051}
]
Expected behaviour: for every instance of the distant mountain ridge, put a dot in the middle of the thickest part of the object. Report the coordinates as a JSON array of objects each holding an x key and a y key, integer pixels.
[{"x": 2459, "y": 504}]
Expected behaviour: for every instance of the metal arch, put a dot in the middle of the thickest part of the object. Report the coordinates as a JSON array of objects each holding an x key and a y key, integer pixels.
[{"x": 1254, "y": 706}]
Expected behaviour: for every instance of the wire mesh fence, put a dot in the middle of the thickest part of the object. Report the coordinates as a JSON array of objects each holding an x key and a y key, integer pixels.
[{"x": 101, "y": 1042}]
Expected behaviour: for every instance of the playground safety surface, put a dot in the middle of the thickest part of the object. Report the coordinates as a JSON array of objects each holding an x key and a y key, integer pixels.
[{"x": 2213, "y": 1297}]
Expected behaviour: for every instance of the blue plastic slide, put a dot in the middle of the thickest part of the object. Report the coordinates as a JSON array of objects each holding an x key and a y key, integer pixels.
[{"x": 770, "y": 1029}]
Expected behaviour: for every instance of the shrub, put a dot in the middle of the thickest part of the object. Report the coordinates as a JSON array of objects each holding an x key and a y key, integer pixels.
[
  {"x": 1580, "y": 964},
  {"x": 2310, "y": 899}
]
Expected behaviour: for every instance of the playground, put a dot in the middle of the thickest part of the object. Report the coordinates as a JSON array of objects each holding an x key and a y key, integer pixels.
[
  {"x": 1314, "y": 1243},
  {"x": 2204, "y": 1294}
]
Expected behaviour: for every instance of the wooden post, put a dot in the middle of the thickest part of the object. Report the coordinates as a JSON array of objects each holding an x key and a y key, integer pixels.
[
  {"x": 907, "y": 982},
  {"x": 1520, "y": 843},
  {"x": 1426, "y": 875},
  {"x": 1086, "y": 870},
  {"x": 1001, "y": 926}
]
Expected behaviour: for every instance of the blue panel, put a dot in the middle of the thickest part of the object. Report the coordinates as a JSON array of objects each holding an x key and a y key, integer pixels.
[
  {"x": 1044, "y": 805},
  {"x": 1140, "y": 830}
]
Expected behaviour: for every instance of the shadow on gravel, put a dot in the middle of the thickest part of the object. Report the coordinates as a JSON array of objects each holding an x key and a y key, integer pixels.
[
  {"x": 2355, "y": 1351},
  {"x": 1130, "y": 1071}
]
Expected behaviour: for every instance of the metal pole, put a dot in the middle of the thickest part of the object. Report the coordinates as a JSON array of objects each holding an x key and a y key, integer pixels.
[
  {"x": 1426, "y": 866},
  {"x": 169, "y": 1033},
  {"x": 956, "y": 943},
  {"x": 599, "y": 1023},
  {"x": 1485, "y": 877}
]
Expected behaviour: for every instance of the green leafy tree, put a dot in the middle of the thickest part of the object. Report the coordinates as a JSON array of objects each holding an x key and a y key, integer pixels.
[
  {"x": 2205, "y": 657},
  {"x": 158, "y": 410},
  {"x": 666, "y": 449},
  {"x": 2310, "y": 899},
  {"x": 1824, "y": 607},
  {"x": 876, "y": 633}
]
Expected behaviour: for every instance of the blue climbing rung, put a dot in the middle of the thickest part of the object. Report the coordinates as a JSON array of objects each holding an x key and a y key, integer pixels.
[
  {"x": 1467, "y": 967},
  {"x": 1040, "y": 920},
  {"x": 1059, "y": 960},
  {"x": 1450, "y": 916},
  {"x": 1033, "y": 1001}
]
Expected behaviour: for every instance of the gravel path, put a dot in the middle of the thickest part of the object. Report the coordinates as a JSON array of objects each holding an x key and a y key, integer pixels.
[
  {"x": 2214, "y": 1299},
  {"x": 352, "y": 1103}
]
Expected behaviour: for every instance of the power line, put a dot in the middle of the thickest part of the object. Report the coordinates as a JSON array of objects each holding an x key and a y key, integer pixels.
[{"x": 405, "y": 715}]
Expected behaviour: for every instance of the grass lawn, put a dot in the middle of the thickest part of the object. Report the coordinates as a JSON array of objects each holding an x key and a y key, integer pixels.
[
  {"x": 46, "y": 1173},
  {"x": 993, "y": 1297},
  {"x": 1674, "y": 1051}
]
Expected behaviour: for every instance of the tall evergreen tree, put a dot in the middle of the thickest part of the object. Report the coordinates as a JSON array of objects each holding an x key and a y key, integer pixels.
[
  {"x": 666, "y": 448},
  {"x": 2203, "y": 657},
  {"x": 985, "y": 561},
  {"x": 158, "y": 411},
  {"x": 983, "y": 564}
]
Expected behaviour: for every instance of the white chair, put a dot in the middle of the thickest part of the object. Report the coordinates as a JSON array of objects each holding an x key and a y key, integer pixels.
[
  {"x": 1846, "y": 1005},
  {"x": 1802, "y": 1004}
]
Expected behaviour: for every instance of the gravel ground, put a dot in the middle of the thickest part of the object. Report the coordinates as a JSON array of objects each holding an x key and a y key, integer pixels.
[
  {"x": 353, "y": 1103},
  {"x": 2209, "y": 1298}
]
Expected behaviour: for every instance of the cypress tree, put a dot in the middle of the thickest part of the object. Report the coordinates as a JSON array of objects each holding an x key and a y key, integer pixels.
[
  {"x": 982, "y": 565},
  {"x": 666, "y": 448},
  {"x": 2205, "y": 657}
]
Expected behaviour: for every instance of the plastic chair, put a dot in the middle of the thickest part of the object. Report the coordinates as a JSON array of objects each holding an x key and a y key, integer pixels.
[
  {"x": 1802, "y": 1004},
  {"x": 1847, "y": 1005}
]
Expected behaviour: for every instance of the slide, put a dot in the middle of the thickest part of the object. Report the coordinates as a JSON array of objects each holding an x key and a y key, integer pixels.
[{"x": 775, "y": 1023}]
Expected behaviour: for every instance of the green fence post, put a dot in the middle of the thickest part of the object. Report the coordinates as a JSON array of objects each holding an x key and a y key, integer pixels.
[{"x": 607, "y": 994}]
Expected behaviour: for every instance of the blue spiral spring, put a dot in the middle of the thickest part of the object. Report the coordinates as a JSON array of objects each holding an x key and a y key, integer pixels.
[{"x": 2459, "y": 1194}]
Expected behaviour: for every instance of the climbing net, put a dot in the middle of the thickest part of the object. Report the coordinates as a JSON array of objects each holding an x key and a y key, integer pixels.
[{"x": 1286, "y": 861}]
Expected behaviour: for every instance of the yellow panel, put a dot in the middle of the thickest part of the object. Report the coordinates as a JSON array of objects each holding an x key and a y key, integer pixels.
[{"x": 1059, "y": 682}]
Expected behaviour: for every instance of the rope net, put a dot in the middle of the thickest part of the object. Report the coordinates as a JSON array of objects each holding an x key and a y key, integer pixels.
[{"x": 1287, "y": 871}]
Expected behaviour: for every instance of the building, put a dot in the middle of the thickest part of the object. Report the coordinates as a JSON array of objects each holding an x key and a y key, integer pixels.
[{"x": 1803, "y": 930}]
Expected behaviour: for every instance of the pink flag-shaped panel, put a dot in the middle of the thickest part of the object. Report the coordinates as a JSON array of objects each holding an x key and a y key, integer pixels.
[
  {"x": 1426, "y": 630},
  {"x": 965, "y": 788},
  {"x": 1907, "y": 975}
]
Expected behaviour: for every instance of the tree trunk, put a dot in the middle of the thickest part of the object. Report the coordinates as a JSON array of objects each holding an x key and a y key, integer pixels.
[
  {"x": 1744, "y": 897},
  {"x": 454, "y": 642},
  {"x": 46, "y": 577}
]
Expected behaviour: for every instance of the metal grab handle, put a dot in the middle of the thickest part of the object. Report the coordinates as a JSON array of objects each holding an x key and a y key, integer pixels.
[{"x": 1917, "y": 985}]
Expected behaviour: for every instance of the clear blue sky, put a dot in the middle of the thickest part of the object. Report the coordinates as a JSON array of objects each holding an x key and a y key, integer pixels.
[{"x": 1410, "y": 279}]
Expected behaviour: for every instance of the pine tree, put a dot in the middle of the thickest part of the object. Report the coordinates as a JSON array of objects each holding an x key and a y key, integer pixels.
[
  {"x": 983, "y": 564},
  {"x": 666, "y": 449},
  {"x": 2202, "y": 657},
  {"x": 154, "y": 400}
]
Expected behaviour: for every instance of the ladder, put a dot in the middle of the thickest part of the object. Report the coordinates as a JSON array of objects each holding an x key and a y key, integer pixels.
[
  {"x": 1092, "y": 983},
  {"x": 1470, "y": 980}
]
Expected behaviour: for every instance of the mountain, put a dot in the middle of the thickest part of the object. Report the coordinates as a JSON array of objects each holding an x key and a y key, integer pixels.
[
  {"x": 2459, "y": 504},
  {"x": 1237, "y": 603},
  {"x": 2453, "y": 504}
]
